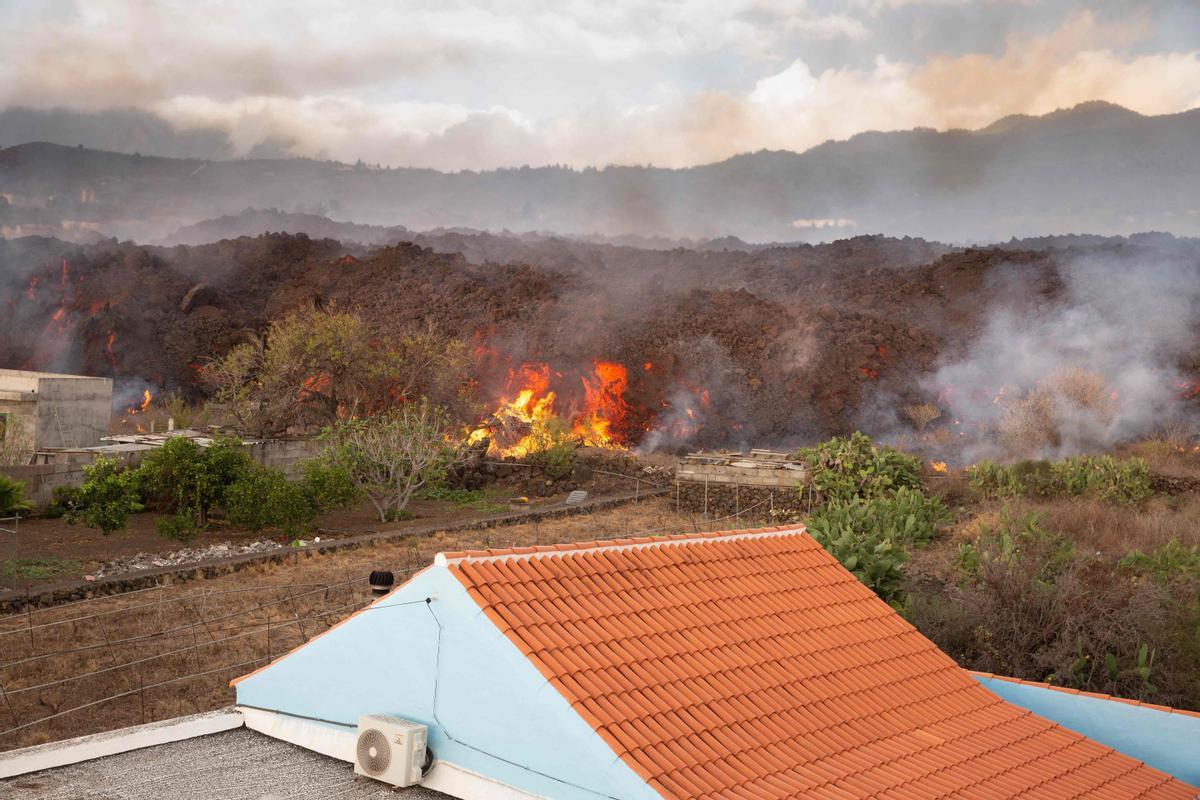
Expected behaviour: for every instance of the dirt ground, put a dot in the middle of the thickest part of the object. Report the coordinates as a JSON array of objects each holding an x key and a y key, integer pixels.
[
  {"x": 121, "y": 660},
  {"x": 79, "y": 550}
]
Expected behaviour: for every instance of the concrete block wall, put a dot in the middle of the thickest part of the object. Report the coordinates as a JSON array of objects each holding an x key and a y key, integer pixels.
[
  {"x": 58, "y": 411},
  {"x": 66, "y": 468}
]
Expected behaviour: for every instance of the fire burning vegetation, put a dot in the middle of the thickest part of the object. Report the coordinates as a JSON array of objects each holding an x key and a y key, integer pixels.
[{"x": 531, "y": 414}]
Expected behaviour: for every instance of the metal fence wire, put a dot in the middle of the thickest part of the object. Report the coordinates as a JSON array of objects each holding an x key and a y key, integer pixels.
[{"x": 62, "y": 661}]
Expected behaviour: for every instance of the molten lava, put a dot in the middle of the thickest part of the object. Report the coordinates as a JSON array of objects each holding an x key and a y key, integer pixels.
[{"x": 108, "y": 349}]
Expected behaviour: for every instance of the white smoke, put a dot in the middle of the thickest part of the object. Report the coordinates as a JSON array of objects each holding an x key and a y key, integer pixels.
[{"x": 1131, "y": 318}]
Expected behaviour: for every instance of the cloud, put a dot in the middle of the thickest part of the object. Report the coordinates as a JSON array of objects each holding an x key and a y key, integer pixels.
[{"x": 456, "y": 84}]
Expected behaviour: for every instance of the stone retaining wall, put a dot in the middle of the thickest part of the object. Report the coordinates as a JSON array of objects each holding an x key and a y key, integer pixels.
[{"x": 726, "y": 500}]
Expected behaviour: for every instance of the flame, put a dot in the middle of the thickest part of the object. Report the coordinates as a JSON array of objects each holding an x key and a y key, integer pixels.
[
  {"x": 108, "y": 349},
  {"x": 867, "y": 372},
  {"x": 142, "y": 406},
  {"x": 530, "y": 414},
  {"x": 313, "y": 384},
  {"x": 33, "y": 282},
  {"x": 939, "y": 467},
  {"x": 519, "y": 425},
  {"x": 604, "y": 404}
]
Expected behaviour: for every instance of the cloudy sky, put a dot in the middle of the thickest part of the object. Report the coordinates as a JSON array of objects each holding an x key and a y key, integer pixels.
[{"x": 468, "y": 85}]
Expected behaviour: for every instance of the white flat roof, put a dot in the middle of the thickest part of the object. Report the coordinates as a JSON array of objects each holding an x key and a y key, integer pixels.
[{"x": 236, "y": 764}]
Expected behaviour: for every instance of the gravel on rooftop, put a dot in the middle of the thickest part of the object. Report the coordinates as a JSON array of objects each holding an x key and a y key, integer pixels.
[{"x": 234, "y": 765}]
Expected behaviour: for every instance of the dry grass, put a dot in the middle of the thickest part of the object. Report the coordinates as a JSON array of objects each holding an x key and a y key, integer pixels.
[
  {"x": 1068, "y": 402},
  {"x": 228, "y": 625},
  {"x": 1096, "y": 526}
]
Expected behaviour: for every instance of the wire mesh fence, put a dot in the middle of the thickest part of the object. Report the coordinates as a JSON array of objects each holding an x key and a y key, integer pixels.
[{"x": 154, "y": 653}]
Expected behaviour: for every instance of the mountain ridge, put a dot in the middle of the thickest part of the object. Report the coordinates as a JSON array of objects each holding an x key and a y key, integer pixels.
[{"x": 1096, "y": 167}]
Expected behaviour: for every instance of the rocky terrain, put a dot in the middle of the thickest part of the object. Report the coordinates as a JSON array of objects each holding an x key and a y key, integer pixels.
[{"x": 769, "y": 345}]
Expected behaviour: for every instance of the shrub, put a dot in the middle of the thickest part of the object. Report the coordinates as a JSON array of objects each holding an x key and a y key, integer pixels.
[
  {"x": 1106, "y": 478},
  {"x": 876, "y": 560},
  {"x": 328, "y": 486},
  {"x": 1031, "y": 607},
  {"x": 106, "y": 498},
  {"x": 180, "y": 526},
  {"x": 870, "y": 537},
  {"x": 1102, "y": 477},
  {"x": 12, "y": 496},
  {"x": 1016, "y": 543},
  {"x": 1070, "y": 405},
  {"x": 183, "y": 478},
  {"x": 552, "y": 447},
  {"x": 391, "y": 456},
  {"x": 1171, "y": 561},
  {"x": 921, "y": 414},
  {"x": 265, "y": 498},
  {"x": 843, "y": 469},
  {"x": 61, "y": 500}
]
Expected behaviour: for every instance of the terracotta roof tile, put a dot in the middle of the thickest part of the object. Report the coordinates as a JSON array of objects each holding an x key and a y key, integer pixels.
[{"x": 749, "y": 665}]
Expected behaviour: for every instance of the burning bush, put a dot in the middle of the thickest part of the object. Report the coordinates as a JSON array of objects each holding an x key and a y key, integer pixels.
[{"x": 540, "y": 410}]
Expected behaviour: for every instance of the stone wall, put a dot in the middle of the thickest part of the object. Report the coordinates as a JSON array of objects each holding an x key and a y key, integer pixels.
[{"x": 731, "y": 500}]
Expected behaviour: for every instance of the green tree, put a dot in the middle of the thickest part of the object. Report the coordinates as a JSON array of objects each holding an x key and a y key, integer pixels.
[
  {"x": 390, "y": 456},
  {"x": 315, "y": 367},
  {"x": 188, "y": 480},
  {"x": 265, "y": 498},
  {"x": 106, "y": 498}
]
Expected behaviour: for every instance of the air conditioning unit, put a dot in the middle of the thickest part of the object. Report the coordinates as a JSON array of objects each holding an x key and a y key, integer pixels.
[{"x": 391, "y": 750}]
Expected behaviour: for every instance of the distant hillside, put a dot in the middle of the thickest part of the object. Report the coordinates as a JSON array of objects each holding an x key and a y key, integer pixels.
[{"x": 1097, "y": 168}]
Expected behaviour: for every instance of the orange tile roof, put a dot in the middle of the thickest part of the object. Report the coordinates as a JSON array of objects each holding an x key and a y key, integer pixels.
[{"x": 751, "y": 666}]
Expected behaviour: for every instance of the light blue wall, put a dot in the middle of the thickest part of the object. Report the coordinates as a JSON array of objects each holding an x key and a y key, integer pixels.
[
  {"x": 489, "y": 696},
  {"x": 1168, "y": 742}
]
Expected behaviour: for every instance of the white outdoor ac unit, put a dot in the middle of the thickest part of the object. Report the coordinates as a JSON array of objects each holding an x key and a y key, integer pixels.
[{"x": 390, "y": 749}]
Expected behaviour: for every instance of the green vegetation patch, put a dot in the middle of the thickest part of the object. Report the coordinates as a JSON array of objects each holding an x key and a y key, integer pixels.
[
  {"x": 1103, "y": 477},
  {"x": 39, "y": 569}
]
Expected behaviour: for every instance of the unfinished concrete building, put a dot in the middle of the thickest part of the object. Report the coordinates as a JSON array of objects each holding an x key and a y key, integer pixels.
[{"x": 51, "y": 411}]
